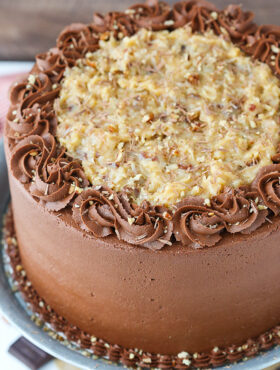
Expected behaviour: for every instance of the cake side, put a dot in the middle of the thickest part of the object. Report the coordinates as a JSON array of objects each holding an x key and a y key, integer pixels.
[{"x": 178, "y": 300}]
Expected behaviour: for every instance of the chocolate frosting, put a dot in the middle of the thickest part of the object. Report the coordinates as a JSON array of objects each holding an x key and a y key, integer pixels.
[
  {"x": 197, "y": 14},
  {"x": 103, "y": 211},
  {"x": 237, "y": 23},
  {"x": 193, "y": 222},
  {"x": 153, "y": 15},
  {"x": 54, "y": 178},
  {"x": 267, "y": 184},
  {"x": 59, "y": 182}
]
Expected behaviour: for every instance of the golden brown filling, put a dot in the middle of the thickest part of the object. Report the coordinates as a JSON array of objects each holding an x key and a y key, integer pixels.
[{"x": 169, "y": 114}]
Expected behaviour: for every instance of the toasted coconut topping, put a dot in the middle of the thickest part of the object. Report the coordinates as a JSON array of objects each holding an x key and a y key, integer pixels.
[{"x": 169, "y": 115}]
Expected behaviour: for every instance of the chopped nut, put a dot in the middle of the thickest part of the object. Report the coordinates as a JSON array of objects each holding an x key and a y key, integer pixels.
[
  {"x": 193, "y": 79},
  {"x": 261, "y": 207},
  {"x": 207, "y": 202},
  {"x": 169, "y": 22},
  {"x": 129, "y": 11},
  {"x": 275, "y": 49},
  {"x": 105, "y": 36},
  {"x": 131, "y": 220},
  {"x": 31, "y": 79},
  {"x": 186, "y": 362},
  {"x": 214, "y": 15},
  {"x": 147, "y": 360},
  {"x": 167, "y": 216},
  {"x": 33, "y": 154},
  {"x": 183, "y": 354},
  {"x": 148, "y": 117}
]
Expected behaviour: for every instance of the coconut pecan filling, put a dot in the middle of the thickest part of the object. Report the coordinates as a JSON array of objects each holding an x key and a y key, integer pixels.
[{"x": 166, "y": 115}]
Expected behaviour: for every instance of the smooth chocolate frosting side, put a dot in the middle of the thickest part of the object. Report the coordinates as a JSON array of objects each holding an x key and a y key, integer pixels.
[
  {"x": 179, "y": 299},
  {"x": 57, "y": 180},
  {"x": 116, "y": 353}
]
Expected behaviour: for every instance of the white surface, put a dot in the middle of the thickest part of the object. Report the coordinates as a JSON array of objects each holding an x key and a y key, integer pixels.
[
  {"x": 8, "y": 335},
  {"x": 8, "y": 68}
]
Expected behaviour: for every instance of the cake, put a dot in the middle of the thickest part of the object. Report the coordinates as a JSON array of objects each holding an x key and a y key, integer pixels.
[{"x": 144, "y": 167}]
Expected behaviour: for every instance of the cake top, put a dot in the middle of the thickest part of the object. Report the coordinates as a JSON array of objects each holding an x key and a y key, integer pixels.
[
  {"x": 157, "y": 124},
  {"x": 166, "y": 115}
]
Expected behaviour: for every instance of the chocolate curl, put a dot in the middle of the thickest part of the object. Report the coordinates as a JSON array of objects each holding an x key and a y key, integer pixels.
[
  {"x": 193, "y": 222},
  {"x": 267, "y": 185}
]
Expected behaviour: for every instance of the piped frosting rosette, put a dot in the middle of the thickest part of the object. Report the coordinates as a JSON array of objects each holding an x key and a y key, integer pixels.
[
  {"x": 54, "y": 179},
  {"x": 103, "y": 211}
]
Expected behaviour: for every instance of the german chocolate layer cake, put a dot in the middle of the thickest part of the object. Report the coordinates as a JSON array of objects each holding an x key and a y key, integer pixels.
[{"x": 144, "y": 168}]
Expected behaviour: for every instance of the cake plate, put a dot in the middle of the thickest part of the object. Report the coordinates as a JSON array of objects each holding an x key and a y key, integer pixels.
[{"x": 16, "y": 312}]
